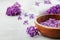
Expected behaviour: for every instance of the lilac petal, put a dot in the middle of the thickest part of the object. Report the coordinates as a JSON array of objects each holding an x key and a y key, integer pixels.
[
  {"x": 25, "y": 22},
  {"x": 47, "y": 2},
  {"x": 31, "y": 16},
  {"x": 17, "y": 4},
  {"x": 19, "y": 18},
  {"x": 37, "y": 3},
  {"x": 25, "y": 14}
]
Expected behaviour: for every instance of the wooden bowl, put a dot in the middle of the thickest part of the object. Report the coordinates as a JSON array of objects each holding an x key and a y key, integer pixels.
[{"x": 45, "y": 30}]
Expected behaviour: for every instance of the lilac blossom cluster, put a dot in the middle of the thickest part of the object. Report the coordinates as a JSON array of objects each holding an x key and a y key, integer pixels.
[
  {"x": 14, "y": 10},
  {"x": 54, "y": 10},
  {"x": 32, "y": 31}
]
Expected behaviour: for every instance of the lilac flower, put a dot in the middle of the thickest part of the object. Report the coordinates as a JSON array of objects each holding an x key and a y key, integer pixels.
[
  {"x": 25, "y": 14},
  {"x": 37, "y": 3},
  {"x": 13, "y": 10},
  {"x": 19, "y": 18},
  {"x": 31, "y": 16},
  {"x": 32, "y": 31},
  {"x": 25, "y": 22},
  {"x": 47, "y": 2}
]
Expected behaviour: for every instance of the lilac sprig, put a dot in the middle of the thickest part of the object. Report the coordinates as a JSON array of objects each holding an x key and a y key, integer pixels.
[
  {"x": 32, "y": 31},
  {"x": 14, "y": 10},
  {"x": 54, "y": 10}
]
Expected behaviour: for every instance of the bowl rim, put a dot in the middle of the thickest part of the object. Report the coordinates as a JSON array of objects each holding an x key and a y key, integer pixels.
[{"x": 44, "y": 25}]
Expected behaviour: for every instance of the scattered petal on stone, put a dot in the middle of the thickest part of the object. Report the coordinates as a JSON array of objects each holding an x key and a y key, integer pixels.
[
  {"x": 32, "y": 31},
  {"x": 25, "y": 22},
  {"x": 47, "y": 2},
  {"x": 19, "y": 18},
  {"x": 37, "y": 3},
  {"x": 31, "y": 16}
]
